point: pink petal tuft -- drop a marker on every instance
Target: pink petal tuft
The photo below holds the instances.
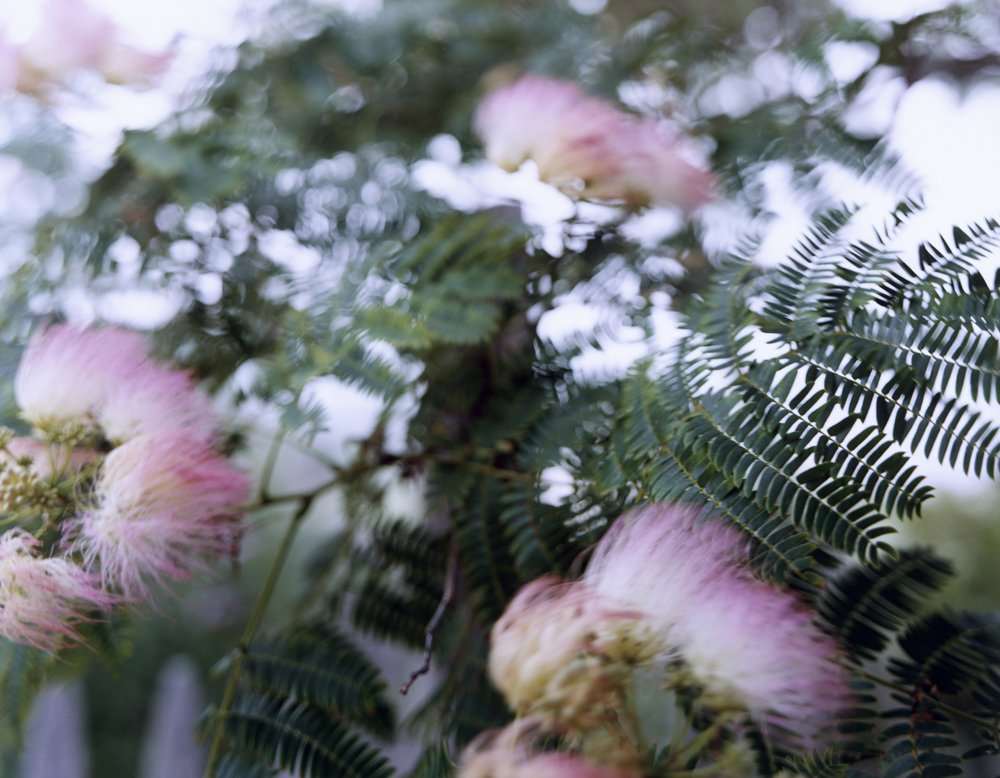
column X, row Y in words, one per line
column 748, row 643
column 587, row 147
column 67, row 372
column 43, row 600
column 165, row 502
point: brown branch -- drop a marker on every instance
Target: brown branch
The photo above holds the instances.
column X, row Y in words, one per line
column 450, row 583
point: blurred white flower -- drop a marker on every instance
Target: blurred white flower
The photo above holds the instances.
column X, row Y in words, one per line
column 68, row 372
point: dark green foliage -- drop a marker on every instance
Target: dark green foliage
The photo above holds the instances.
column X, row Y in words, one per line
column 232, row 766
column 22, row 674
column 402, row 582
column 809, row 434
column 299, row 738
column 486, row 556
column 301, row 696
column 316, row 665
column 434, row 763
column 916, row 745
column 946, row 654
column 865, row 606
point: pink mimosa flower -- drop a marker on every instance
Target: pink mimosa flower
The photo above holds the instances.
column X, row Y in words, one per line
column 654, row 171
column 587, row 147
column 757, row 646
column 560, row 649
column 156, row 398
column 102, row 380
column 747, row 643
column 43, row 600
column 531, row 119
column 68, row 372
column 9, row 65
column 165, row 502
column 497, row 755
column 72, row 36
column 125, row 64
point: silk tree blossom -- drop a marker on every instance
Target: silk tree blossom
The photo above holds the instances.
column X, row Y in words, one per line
column 561, row 650
column 748, row 644
column 164, row 503
column 9, row 65
column 43, row 601
column 511, row 764
column 586, row 147
column 502, row 754
column 102, row 380
column 755, row 646
column 156, row 398
column 68, row 372
column 72, row 36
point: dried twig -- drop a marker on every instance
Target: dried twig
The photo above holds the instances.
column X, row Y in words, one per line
column 450, row 583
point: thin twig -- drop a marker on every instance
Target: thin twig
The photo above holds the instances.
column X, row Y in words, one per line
column 450, row 582
column 903, row 688
column 267, row 471
column 304, row 448
column 263, row 598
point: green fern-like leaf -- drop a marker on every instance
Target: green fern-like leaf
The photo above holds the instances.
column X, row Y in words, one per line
column 806, row 439
column 919, row 745
column 315, row 664
column 231, row 766
column 23, row 670
column 487, row 561
column 434, row 763
column 462, row 270
column 299, row 738
column 947, row 653
column 866, row 605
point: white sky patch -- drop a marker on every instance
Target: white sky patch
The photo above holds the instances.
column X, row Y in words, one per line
column 284, row 249
column 355, row 412
column 482, row 185
column 874, row 109
column 950, row 141
column 567, row 319
column 557, row 485
column 613, row 359
column 847, row 59
column 145, row 309
column 893, row 10
column 652, row 226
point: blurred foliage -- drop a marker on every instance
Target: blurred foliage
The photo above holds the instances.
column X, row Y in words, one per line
column 276, row 221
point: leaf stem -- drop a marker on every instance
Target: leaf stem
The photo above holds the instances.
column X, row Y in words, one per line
column 904, row 689
column 263, row 598
column 450, row 582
